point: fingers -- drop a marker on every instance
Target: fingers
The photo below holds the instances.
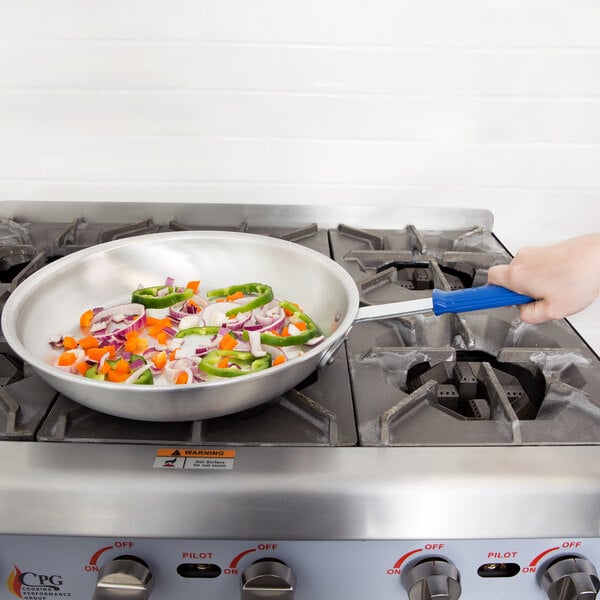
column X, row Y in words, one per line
column 505, row 275
column 499, row 275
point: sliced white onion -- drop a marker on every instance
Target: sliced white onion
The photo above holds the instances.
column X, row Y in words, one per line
column 255, row 346
column 293, row 330
column 214, row 314
column 189, row 321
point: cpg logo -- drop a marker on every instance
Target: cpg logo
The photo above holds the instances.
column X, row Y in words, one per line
column 29, row 585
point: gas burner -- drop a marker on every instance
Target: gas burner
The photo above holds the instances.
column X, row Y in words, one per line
column 421, row 275
column 468, row 387
column 442, row 393
column 395, row 265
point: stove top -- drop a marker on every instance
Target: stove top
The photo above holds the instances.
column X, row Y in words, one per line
column 480, row 378
column 466, row 446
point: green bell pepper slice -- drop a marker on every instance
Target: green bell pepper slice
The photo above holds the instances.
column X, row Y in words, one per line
column 208, row 330
column 264, row 295
column 246, row 363
column 92, row 373
column 150, row 299
column 291, row 340
column 146, row 378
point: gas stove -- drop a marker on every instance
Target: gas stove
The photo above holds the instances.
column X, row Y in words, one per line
column 435, row 457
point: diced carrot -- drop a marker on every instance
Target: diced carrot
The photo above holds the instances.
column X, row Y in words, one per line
column 182, row 377
column 159, row 326
column 234, row 296
column 288, row 312
column 131, row 345
column 132, row 334
column 89, row 342
column 162, row 337
column 105, row 368
column 223, row 363
column 136, row 345
column 96, row 354
column 116, row 376
column 122, row 366
column 285, row 332
column 193, row 285
column 279, row 360
column 274, row 332
column 151, row 320
column 160, row 359
column 70, row 343
column 82, row 367
column 228, row 342
column 173, row 354
column 67, row 358
column 85, row 320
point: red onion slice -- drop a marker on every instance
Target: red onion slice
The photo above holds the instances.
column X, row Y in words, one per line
column 135, row 318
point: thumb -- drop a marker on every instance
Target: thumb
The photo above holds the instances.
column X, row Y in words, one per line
column 534, row 312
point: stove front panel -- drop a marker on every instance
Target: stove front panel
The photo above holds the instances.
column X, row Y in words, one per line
column 43, row 568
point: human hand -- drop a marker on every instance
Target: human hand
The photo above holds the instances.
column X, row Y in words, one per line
column 564, row 278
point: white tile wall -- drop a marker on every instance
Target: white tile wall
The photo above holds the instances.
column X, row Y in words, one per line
column 480, row 103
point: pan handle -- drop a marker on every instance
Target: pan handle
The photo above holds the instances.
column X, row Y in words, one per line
column 441, row 302
column 455, row 301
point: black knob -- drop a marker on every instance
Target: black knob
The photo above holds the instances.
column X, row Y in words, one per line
column 571, row 578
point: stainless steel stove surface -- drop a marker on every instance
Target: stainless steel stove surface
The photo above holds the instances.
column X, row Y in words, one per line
column 435, row 457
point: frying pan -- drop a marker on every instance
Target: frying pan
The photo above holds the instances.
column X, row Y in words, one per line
column 50, row 301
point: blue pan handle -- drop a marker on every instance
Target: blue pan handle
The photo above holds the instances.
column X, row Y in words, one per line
column 486, row 296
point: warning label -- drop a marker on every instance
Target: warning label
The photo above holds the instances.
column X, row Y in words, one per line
column 194, row 458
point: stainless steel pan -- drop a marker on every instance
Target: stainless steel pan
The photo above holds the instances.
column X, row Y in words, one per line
column 50, row 301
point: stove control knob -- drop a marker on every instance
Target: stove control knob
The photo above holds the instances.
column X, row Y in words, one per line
column 434, row 579
column 268, row 578
column 126, row 577
column 571, row 578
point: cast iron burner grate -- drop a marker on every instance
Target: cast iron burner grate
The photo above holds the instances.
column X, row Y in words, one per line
column 423, row 380
column 317, row 412
column 475, row 379
column 26, row 247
